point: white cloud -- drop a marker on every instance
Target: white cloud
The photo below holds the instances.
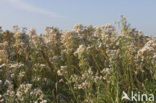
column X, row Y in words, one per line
column 20, row 4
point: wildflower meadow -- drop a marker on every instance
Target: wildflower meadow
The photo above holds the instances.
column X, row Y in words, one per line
column 87, row 64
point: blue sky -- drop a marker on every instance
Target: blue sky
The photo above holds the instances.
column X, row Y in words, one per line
column 66, row 13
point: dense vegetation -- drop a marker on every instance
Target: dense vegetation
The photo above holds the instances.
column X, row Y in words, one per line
column 85, row 65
